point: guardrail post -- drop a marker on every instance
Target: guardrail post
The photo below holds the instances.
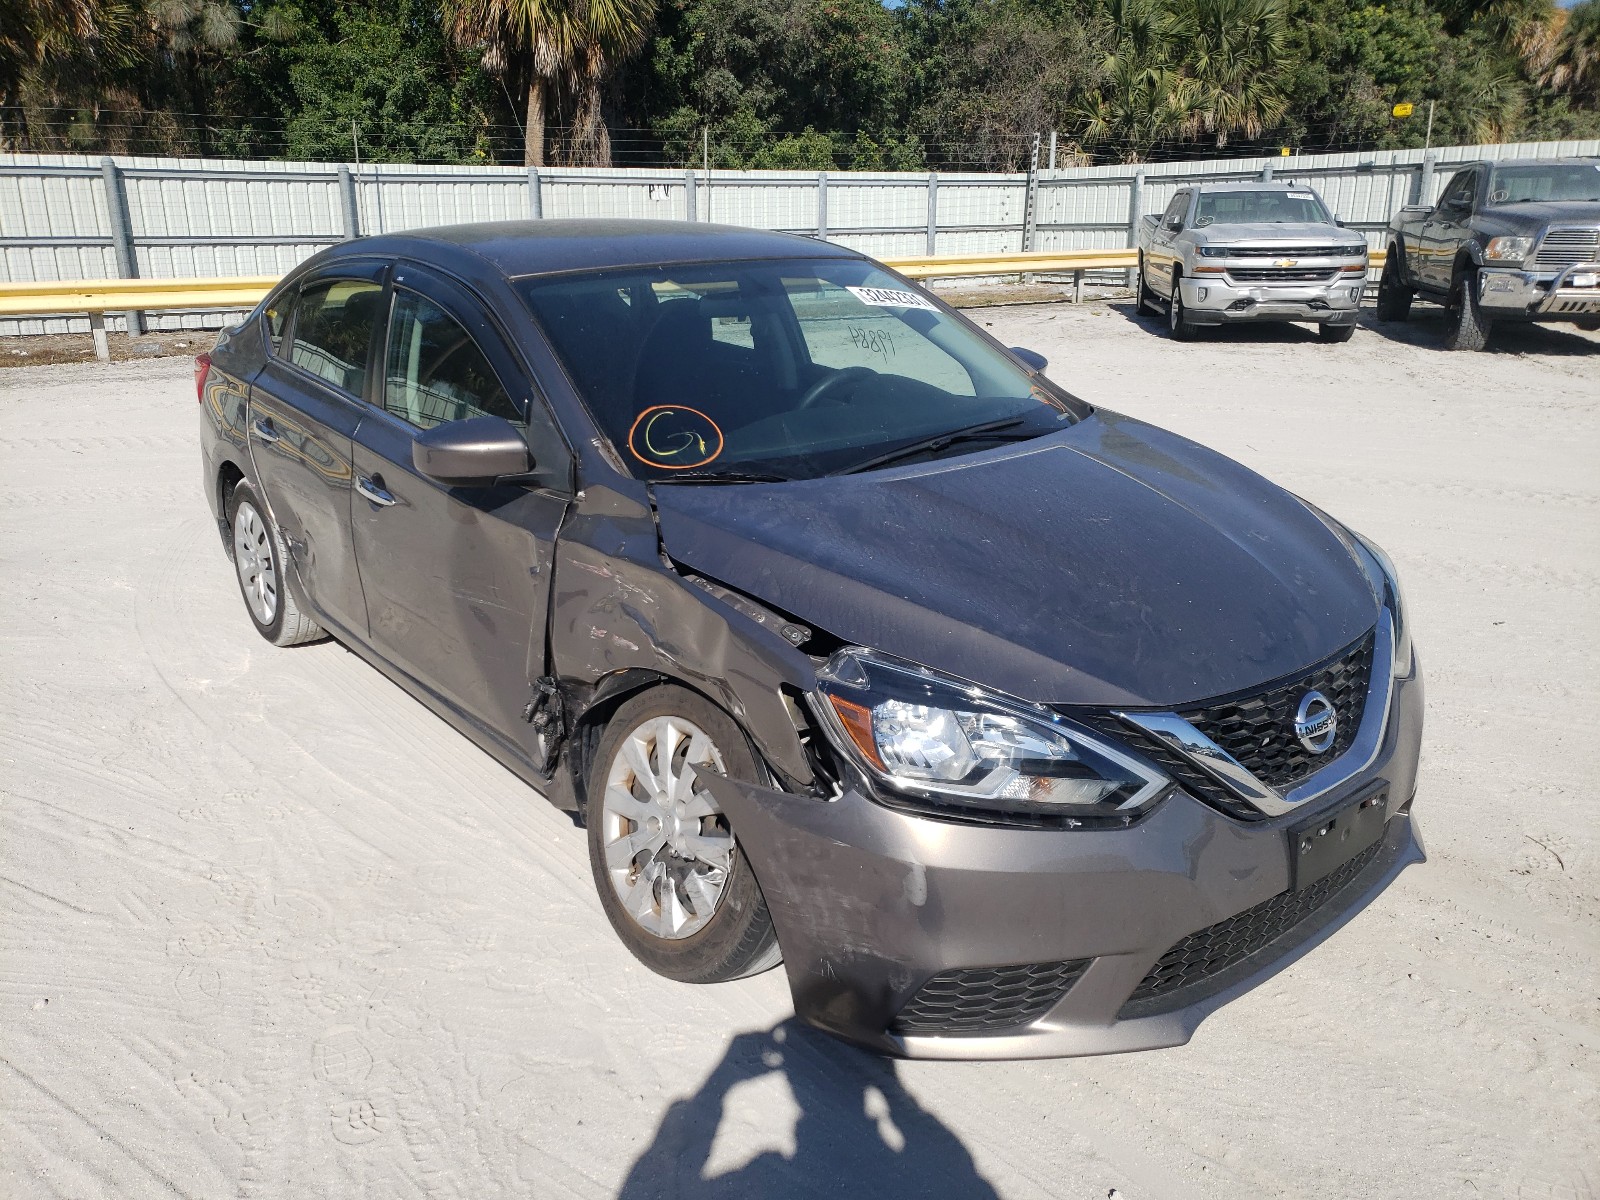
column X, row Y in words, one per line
column 1077, row 287
column 933, row 212
column 1135, row 213
column 688, row 194
column 822, row 206
column 127, row 264
column 347, row 193
column 1425, row 179
column 1266, row 173
column 535, row 194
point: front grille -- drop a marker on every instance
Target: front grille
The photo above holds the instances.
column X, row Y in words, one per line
column 1209, row 952
column 1282, row 275
column 1193, row 780
column 1567, row 247
column 1258, row 730
column 1285, row 252
column 987, row 998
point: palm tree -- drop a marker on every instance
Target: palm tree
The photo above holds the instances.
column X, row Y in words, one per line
column 1572, row 63
column 1231, row 51
column 556, row 44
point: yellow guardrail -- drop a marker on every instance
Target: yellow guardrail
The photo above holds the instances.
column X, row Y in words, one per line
column 96, row 297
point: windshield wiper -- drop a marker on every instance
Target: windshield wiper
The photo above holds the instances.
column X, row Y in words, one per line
column 975, row 433
column 728, row 476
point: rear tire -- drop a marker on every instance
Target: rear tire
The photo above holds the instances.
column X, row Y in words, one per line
column 1467, row 327
column 1394, row 297
column 260, row 561
column 1178, row 323
column 1147, row 296
column 1336, row 333
column 658, row 841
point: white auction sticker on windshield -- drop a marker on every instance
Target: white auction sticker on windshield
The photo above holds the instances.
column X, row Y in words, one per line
column 891, row 298
column 1299, row 195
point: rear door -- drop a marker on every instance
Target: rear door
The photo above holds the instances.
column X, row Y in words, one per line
column 457, row 580
column 304, row 406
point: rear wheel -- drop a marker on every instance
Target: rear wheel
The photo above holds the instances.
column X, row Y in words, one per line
column 1336, row 333
column 1466, row 328
column 260, row 559
column 671, row 876
column 1178, row 323
column 1147, row 295
column 1394, row 297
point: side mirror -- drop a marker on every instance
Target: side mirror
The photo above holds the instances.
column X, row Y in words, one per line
column 471, row 453
column 1339, row 221
column 1175, row 224
column 1032, row 359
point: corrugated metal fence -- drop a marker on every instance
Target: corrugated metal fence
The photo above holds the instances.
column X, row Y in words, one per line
column 77, row 217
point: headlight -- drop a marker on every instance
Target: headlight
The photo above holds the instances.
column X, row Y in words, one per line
column 1508, row 249
column 1213, row 252
column 1357, row 251
column 1395, row 599
column 946, row 745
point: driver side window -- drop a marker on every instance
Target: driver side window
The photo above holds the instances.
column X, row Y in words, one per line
column 435, row 372
column 1178, row 209
column 1459, row 193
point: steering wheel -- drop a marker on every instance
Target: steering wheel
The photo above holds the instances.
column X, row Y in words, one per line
column 827, row 383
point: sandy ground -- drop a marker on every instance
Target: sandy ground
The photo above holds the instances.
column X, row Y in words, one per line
column 268, row 928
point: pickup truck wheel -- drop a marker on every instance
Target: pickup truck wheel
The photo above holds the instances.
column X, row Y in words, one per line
column 1147, row 295
column 1178, row 324
column 672, row 879
column 1467, row 328
column 1336, row 333
column 1394, row 297
column 259, row 560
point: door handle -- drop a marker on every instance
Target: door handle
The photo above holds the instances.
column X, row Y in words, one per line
column 374, row 491
column 262, row 428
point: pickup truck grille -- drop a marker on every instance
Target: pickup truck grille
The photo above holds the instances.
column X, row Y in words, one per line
column 1564, row 247
column 1285, row 252
column 1282, row 274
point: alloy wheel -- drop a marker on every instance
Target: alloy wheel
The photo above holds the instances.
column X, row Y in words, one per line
column 668, row 847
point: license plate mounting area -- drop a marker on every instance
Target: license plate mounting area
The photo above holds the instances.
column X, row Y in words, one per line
column 1319, row 846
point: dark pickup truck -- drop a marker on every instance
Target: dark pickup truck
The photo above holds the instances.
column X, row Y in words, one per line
column 1511, row 241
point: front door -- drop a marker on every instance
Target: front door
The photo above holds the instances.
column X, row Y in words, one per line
column 1446, row 228
column 304, row 406
column 457, row 580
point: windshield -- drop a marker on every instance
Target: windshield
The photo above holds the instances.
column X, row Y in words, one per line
column 788, row 369
column 1547, row 181
column 1272, row 207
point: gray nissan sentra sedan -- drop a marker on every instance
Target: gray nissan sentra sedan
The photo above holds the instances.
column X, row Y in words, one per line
column 1013, row 726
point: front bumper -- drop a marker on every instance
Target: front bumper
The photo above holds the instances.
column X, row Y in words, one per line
column 1220, row 300
column 871, row 903
column 1505, row 293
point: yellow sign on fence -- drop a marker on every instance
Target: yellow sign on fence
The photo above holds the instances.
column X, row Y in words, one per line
column 1404, row 110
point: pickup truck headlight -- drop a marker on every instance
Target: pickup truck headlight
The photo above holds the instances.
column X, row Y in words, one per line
column 944, row 745
column 1213, row 251
column 1359, row 250
column 1508, row 249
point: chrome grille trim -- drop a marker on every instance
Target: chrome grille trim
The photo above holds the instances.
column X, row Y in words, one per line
column 1565, row 246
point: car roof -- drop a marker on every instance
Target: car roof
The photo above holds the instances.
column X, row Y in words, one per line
column 1249, row 185
column 548, row 246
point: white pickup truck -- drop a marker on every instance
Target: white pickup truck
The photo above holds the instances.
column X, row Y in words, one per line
column 1226, row 252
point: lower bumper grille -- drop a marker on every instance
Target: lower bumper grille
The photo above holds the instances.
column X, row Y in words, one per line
column 987, row 999
column 1282, row 275
column 1209, row 952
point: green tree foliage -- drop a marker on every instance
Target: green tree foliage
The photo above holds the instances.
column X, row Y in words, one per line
column 802, row 84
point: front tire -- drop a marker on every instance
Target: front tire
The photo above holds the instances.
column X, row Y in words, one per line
column 1467, row 328
column 1394, row 297
column 260, row 559
column 1178, row 323
column 673, row 881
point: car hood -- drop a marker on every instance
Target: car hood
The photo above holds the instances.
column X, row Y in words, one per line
column 1532, row 217
column 1268, row 233
column 1111, row 563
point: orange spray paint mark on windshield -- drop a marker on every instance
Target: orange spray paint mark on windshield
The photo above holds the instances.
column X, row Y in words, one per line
column 674, row 438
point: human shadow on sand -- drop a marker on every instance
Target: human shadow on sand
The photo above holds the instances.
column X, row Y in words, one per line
column 859, row 1132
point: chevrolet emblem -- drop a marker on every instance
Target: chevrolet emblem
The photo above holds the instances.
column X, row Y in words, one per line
column 1286, row 262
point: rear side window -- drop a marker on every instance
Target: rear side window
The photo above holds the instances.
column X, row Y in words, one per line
column 333, row 326
column 436, row 372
